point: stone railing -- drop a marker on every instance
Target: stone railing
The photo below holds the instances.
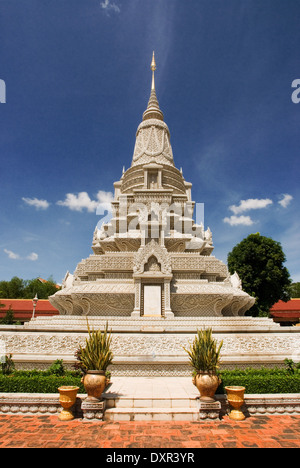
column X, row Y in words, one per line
column 48, row 404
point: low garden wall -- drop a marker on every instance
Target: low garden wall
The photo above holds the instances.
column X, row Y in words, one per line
column 48, row 404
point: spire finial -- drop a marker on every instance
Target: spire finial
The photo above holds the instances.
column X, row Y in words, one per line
column 153, row 64
column 153, row 111
column 153, row 68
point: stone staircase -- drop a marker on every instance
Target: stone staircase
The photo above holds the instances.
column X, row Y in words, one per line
column 146, row 399
column 154, row 409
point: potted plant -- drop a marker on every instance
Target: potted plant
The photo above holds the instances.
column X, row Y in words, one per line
column 204, row 355
column 93, row 360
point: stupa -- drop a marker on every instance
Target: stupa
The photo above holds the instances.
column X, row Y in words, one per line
column 152, row 258
column 153, row 279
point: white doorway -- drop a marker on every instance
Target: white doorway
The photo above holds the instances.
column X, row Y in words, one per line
column 152, row 299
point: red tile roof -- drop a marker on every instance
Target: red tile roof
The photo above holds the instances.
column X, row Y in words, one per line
column 290, row 306
column 286, row 312
column 23, row 308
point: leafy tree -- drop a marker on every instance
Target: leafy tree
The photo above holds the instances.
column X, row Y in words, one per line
column 43, row 290
column 12, row 289
column 295, row 290
column 18, row 288
column 3, row 290
column 259, row 260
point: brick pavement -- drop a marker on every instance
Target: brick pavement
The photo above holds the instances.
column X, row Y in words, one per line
column 48, row 432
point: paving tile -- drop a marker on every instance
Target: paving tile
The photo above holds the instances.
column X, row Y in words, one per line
column 48, row 432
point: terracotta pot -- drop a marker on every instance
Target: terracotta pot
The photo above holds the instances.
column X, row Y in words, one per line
column 235, row 397
column 207, row 384
column 67, row 399
column 94, row 383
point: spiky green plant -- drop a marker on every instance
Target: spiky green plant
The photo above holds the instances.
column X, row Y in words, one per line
column 97, row 354
column 204, row 352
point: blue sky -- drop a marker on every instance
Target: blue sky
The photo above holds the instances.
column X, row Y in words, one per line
column 77, row 76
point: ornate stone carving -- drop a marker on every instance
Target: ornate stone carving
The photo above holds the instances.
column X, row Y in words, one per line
column 149, row 250
column 93, row 409
column 236, row 281
column 152, row 141
column 141, row 346
column 45, row 404
column 145, row 343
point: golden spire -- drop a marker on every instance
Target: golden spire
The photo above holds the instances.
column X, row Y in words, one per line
column 153, row 111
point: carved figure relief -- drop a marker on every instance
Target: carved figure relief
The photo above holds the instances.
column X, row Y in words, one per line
column 152, row 249
column 152, row 264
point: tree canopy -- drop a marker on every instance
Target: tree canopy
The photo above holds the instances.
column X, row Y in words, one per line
column 295, row 290
column 18, row 288
column 259, row 262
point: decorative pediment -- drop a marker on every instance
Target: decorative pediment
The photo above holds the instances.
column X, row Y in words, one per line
column 152, row 249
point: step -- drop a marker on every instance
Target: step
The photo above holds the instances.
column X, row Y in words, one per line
column 151, row 409
column 151, row 414
column 150, row 402
column 151, row 399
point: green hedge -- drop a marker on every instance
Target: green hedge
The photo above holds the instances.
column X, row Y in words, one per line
column 38, row 383
column 255, row 381
column 261, row 382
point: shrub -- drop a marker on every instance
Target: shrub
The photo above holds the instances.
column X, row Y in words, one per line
column 38, row 383
column 7, row 366
column 57, row 368
column 9, row 317
column 261, row 380
column 255, row 380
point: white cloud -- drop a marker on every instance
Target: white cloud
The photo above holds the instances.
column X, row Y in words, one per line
column 82, row 201
column 108, row 6
column 14, row 256
column 38, row 204
column 250, row 204
column 104, row 197
column 78, row 202
column 11, row 254
column 239, row 220
column 286, row 200
column 33, row 256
